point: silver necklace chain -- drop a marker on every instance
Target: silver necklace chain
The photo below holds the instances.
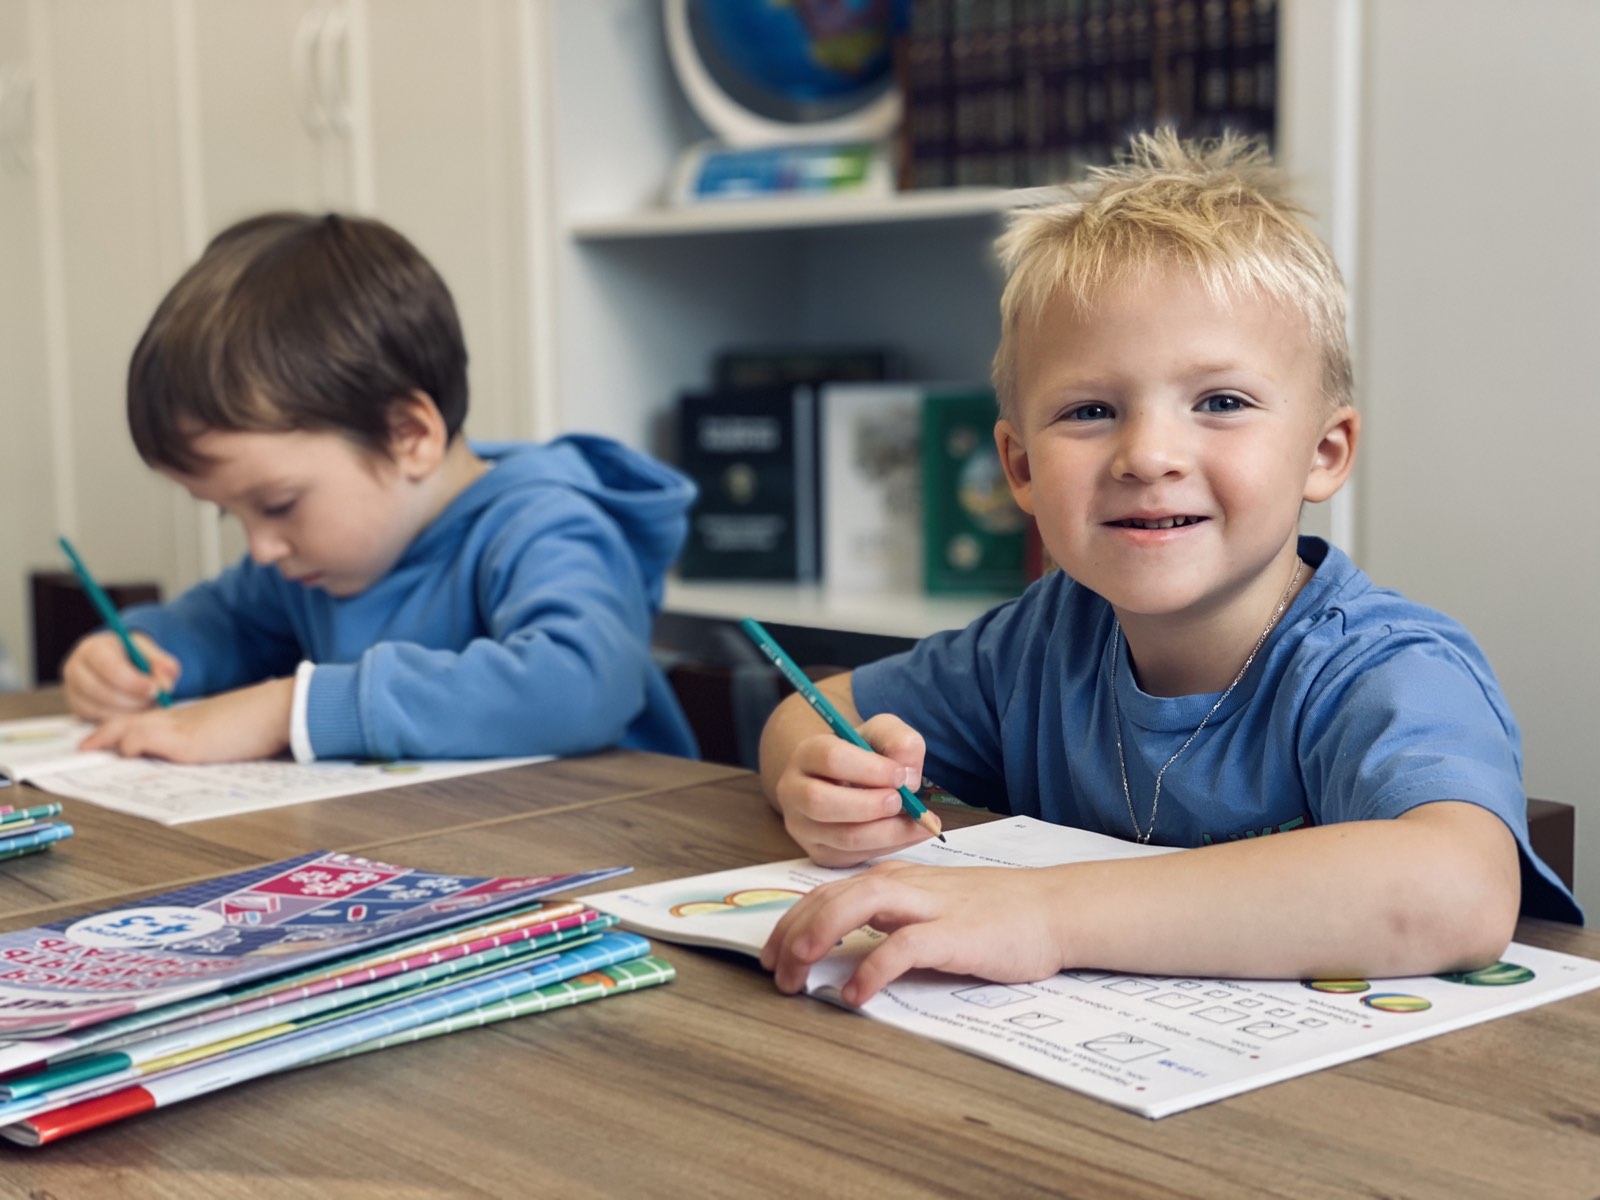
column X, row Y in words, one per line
column 1142, row 836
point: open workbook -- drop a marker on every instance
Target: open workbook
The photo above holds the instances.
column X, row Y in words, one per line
column 1152, row 1044
column 44, row 752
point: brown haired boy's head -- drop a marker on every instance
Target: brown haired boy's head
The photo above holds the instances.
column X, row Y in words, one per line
column 1216, row 212
column 295, row 322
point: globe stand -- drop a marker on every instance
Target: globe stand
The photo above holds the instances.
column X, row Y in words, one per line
column 783, row 148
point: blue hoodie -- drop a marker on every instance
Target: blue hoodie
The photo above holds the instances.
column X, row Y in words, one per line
column 518, row 622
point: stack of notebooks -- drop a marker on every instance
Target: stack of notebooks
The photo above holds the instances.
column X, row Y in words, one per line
column 29, row 830
column 315, row 958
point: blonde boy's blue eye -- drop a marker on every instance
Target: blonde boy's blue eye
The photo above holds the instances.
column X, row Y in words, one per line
column 1223, row 402
column 1089, row 412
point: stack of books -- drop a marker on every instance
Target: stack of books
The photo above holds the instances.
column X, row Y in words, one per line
column 315, row 958
column 819, row 467
column 29, row 830
column 1020, row 93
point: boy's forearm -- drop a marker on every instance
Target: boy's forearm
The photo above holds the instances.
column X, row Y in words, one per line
column 1434, row 890
column 792, row 722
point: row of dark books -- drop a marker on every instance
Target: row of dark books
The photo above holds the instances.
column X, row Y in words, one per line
column 864, row 484
column 1022, row 93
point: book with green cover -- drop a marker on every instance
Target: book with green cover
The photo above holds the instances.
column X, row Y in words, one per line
column 974, row 531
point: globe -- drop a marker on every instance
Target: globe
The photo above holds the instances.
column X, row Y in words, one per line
column 804, row 53
column 760, row 69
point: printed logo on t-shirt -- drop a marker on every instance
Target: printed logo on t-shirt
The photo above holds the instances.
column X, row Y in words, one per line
column 1207, row 839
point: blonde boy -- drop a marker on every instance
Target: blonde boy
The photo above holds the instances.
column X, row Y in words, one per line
column 1174, row 384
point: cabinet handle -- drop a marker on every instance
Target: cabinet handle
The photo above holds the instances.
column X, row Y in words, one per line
column 303, row 73
column 333, row 67
column 5, row 110
column 16, row 116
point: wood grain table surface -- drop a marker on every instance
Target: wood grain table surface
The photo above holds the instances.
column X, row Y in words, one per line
column 716, row 1085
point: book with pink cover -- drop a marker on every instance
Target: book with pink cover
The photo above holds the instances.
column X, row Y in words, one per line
column 196, row 940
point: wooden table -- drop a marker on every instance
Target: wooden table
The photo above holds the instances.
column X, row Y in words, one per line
column 718, row 1086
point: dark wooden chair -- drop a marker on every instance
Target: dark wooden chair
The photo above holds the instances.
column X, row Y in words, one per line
column 62, row 613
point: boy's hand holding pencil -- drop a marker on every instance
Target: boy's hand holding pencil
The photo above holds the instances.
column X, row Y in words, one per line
column 102, row 681
column 830, row 789
column 116, row 671
column 842, row 803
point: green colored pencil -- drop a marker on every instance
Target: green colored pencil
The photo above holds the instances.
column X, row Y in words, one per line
column 909, row 803
column 108, row 613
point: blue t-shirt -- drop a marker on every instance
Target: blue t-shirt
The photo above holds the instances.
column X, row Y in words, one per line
column 1360, row 706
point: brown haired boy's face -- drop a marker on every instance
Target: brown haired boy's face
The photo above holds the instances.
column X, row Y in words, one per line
column 1165, row 443
column 323, row 512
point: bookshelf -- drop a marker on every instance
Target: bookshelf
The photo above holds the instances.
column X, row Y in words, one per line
column 645, row 294
column 901, row 614
column 829, row 212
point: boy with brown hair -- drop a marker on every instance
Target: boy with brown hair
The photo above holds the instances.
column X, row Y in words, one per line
column 407, row 593
column 1175, row 384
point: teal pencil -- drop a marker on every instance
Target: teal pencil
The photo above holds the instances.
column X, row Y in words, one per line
column 909, row 803
column 108, row 614
column 40, row 812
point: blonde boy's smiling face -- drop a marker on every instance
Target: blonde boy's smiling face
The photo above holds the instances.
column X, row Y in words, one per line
column 1165, row 442
column 322, row 511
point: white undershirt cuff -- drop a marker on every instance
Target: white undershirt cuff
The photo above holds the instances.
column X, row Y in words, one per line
column 299, row 731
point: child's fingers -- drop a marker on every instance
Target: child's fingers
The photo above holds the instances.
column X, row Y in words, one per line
column 849, row 845
column 907, row 948
column 834, row 758
column 101, row 664
column 155, row 733
column 892, row 738
column 812, row 927
column 826, row 801
column 838, row 825
column 93, row 697
column 164, row 668
column 107, row 735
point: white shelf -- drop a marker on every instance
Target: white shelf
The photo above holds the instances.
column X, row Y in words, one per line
column 812, row 212
column 910, row 614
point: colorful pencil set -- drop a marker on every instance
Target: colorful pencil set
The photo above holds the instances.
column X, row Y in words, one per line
column 317, row 958
column 30, row 830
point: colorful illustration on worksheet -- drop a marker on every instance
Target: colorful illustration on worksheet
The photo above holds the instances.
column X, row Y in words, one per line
column 24, row 737
column 1397, row 1002
column 750, row 899
column 1340, row 987
column 1500, row 974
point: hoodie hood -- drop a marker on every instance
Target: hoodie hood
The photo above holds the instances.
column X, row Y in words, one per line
column 648, row 500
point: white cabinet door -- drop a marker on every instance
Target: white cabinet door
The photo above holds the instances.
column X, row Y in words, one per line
column 448, row 162
column 410, row 110
column 107, row 157
column 257, row 102
column 27, row 479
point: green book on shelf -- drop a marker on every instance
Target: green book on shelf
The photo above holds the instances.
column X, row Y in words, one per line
column 974, row 530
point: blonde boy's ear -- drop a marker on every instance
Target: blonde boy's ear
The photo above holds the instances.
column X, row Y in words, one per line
column 417, row 437
column 1335, row 454
column 1014, row 459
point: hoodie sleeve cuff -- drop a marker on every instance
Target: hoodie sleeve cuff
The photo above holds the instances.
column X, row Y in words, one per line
column 333, row 722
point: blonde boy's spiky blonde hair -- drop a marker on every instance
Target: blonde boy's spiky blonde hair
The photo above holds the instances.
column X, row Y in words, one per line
column 1219, row 210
